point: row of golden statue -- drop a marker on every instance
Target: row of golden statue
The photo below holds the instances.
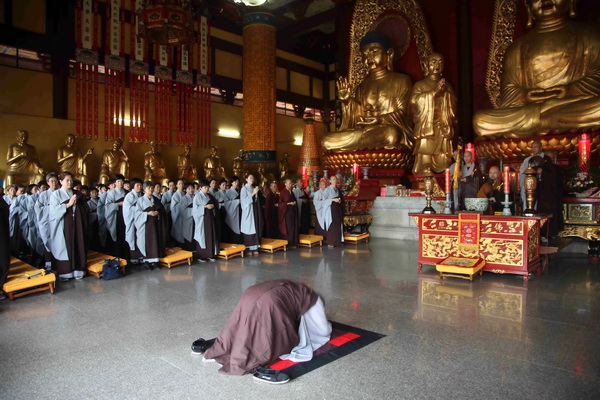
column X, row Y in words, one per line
column 550, row 83
column 24, row 166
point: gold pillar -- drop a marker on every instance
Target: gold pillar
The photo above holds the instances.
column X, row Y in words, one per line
column 259, row 88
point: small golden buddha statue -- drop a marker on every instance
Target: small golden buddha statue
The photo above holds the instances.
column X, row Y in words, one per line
column 376, row 115
column 434, row 112
column 550, row 78
column 238, row 165
column 154, row 166
column 186, row 168
column 114, row 161
column 70, row 159
column 213, row 168
column 284, row 166
column 23, row 165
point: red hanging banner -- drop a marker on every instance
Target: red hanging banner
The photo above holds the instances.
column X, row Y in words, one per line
column 139, row 105
column 163, row 96
column 203, row 106
column 114, row 61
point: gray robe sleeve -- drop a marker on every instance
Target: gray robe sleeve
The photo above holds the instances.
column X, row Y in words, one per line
column 129, row 207
column 176, row 211
column 56, row 214
column 200, row 200
column 140, row 217
column 232, row 210
column 247, row 226
column 111, row 208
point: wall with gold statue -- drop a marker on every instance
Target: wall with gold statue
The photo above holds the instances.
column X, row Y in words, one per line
column 27, row 104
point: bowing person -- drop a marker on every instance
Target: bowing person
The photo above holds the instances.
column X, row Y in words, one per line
column 205, row 233
column 113, row 213
column 129, row 210
column 184, row 229
column 288, row 214
column 334, row 209
column 303, row 207
column 68, row 222
column 271, row 213
column 150, row 226
column 319, row 201
column 232, row 233
column 252, row 217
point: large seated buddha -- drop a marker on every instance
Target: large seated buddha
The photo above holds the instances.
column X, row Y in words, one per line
column 375, row 116
column 550, row 79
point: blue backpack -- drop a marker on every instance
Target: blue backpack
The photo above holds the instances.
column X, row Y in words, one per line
column 110, row 269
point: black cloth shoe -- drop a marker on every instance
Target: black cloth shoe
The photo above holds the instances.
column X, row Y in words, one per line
column 201, row 345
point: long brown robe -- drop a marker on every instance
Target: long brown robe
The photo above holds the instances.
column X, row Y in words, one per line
column 156, row 231
column 4, row 242
column 262, row 327
column 304, row 219
column 288, row 217
column 271, row 216
column 334, row 233
column 549, row 197
column 75, row 228
column 254, row 239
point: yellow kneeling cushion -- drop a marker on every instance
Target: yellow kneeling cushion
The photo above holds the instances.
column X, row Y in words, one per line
column 272, row 245
column 460, row 265
column 310, row 240
column 356, row 237
column 229, row 250
column 176, row 256
column 23, row 276
column 95, row 261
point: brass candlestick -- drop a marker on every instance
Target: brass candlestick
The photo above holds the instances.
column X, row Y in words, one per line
column 429, row 183
column 530, row 184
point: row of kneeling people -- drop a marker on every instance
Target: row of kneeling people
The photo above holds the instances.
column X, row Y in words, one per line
column 55, row 222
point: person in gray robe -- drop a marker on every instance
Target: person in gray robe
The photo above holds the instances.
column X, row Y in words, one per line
column 37, row 246
column 101, row 212
column 93, row 235
column 205, row 233
column 321, row 206
column 221, row 196
column 335, row 208
column 252, row 222
column 303, row 207
column 175, row 208
column 41, row 213
column 149, row 226
column 166, row 202
column 17, row 239
column 129, row 209
column 113, row 214
column 231, row 229
column 185, row 218
column 68, row 221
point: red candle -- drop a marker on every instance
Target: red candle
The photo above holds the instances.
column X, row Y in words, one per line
column 447, row 180
column 305, row 176
column 355, row 170
column 471, row 149
column 506, row 179
column 584, row 148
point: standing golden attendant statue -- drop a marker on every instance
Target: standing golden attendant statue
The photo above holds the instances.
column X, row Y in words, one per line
column 434, row 112
column 284, row 166
column 70, row 159
column 114, row 161
column 23, row 165
column 376, row 115
column 550, row 78
column 154, row 166
column 186, row 168
column 238, row 165
column 213, row 169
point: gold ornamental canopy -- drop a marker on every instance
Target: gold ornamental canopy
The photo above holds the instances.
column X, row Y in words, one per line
column 166, row 22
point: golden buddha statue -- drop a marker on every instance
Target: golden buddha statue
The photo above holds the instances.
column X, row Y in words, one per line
column 238, row 165
column 114, row 161
column 23, row 165
column 284, row 166
column 213, row 168
column 434, row 112
column 185, row 165
column 550, row 78
column 154, row 166
column 376, row 115
column 70, row 159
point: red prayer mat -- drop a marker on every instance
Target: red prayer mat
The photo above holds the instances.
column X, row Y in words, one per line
column 345, row 339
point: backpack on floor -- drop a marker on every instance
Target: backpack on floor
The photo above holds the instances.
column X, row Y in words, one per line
column 110, row 269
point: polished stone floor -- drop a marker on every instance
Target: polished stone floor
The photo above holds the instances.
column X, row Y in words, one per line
column 495, row 338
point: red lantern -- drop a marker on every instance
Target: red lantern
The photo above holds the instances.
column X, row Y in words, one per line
column 471, row 149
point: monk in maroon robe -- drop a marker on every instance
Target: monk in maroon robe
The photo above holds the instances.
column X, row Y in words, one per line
column 271, row 214
column 262, row 327
column 288, row 215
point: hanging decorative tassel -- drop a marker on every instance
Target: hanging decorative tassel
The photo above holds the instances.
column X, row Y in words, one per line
column 163, row 97
column 203, row 105
column 185, row 80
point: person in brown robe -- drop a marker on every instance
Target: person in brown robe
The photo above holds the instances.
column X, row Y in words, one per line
column 271, row 214
column 303, row 207
column 262, row 327
column 288, row 215
column 549, row 195
column 335, row 233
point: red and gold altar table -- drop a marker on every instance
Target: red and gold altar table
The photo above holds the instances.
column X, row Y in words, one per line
column 508, row 244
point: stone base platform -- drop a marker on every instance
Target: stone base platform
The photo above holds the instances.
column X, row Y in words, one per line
column 391, row 220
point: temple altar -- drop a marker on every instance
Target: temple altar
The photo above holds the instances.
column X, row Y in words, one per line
column 507, row 244
column 391, row 217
